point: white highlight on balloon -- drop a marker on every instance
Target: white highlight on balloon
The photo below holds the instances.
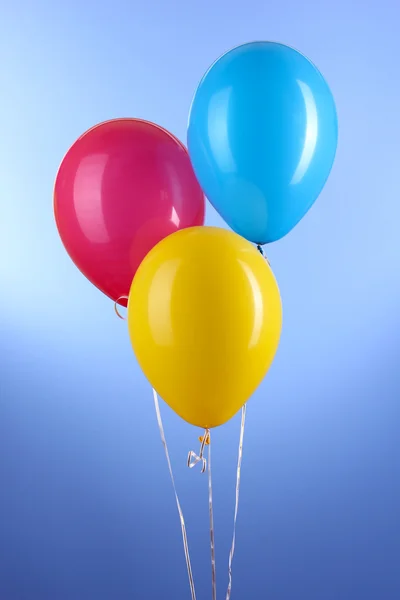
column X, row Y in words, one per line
column 218, row 130
column 87, row 190
column 310, row 141
column 258, row 305
column 160, row 318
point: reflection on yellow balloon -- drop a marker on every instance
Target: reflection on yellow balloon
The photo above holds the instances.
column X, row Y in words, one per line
column 204, row 318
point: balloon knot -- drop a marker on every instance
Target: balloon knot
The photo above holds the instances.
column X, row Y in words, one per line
column 207, row 442
column 261, row 251
column 194, row 458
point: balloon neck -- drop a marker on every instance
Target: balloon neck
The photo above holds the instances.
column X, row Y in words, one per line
column 261, row 251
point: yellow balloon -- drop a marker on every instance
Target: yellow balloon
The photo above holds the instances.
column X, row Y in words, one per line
column 204, row 318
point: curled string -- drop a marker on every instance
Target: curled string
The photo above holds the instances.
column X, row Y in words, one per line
column 116, row 309
column 239, row 465
column 193, row 459
column 182, row 520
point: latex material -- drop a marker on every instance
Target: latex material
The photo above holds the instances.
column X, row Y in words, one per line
column 204, row 318
column 262, row 138
column 122, row 187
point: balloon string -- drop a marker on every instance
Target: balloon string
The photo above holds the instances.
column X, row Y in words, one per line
column 182, row 520
column 239, row 465
column 192, row 460
column 211, row 513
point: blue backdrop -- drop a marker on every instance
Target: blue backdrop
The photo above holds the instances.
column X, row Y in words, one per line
column 86, row 507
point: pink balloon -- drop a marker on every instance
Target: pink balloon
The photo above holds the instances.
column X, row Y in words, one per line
column 122, row 187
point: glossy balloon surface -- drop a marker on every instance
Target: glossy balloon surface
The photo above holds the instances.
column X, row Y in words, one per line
column 204, row 317
column 262, row 138
column 122, row 187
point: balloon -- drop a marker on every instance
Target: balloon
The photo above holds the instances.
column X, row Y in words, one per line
column 262, row 138
column 204, row 318
column 122, row 187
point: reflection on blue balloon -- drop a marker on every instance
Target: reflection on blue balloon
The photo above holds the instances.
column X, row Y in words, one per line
column 262, row 138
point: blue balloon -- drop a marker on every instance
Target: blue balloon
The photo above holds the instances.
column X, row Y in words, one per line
column 262, row 138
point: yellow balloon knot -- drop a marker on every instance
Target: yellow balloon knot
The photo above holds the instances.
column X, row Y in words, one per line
column 207, row 442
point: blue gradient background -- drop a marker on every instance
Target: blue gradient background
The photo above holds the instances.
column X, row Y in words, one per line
column 86, row 506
